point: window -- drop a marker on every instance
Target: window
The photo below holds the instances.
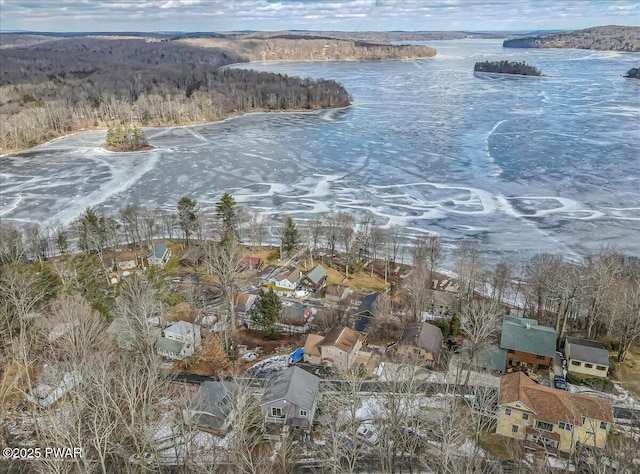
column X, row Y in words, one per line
column 601, row 367
column 525, row 416
column 589, row 366
column 583, row 420
column 576, row 363
column 340, row 353
column 514, row 428
column 603, row 425
column 541, row 425
column 304, row 413
column 565, row 426
column 507, row 411
column 329, row 350
column 540, row 357
column 276, row 411
column 511, row 351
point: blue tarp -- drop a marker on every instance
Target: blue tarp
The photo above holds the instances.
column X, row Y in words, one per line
column 297, row 355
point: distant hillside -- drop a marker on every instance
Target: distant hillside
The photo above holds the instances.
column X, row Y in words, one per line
column 310, row 47
column 601, row 38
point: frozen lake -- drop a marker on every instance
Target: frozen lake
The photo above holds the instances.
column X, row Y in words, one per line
column 525, row 165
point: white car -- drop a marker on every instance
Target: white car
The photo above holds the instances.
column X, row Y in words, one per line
column 368, row 433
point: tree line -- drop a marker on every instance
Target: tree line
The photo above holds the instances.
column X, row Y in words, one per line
column 79, row 83
column 506, row 67
column 598, row 295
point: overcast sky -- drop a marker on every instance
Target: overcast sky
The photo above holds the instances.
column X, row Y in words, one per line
column 347, row 15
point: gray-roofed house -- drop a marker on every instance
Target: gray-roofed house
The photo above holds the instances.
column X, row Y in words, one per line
column 315, row 279
column 586, row 357
column 289, row 402
column 528, row 345
column 421, row 342
column 210, row 408
column 491, row 357
column 366, row 311
column 179, row 340
column 158, row 255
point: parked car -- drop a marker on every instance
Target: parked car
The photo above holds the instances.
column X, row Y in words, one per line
column 368, row 433
column 559, row 382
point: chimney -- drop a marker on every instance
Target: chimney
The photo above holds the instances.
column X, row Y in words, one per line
column 528, row 326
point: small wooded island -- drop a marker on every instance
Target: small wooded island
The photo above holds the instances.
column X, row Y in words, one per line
column 633, row 73
column 126, row 137
column 507, row 67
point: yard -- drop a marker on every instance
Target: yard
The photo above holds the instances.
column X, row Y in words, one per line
column 628, row 372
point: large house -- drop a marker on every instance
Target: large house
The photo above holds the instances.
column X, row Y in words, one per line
column 551, row 417
column 528, row 345
column 210, row 407
column 288, row 281
column 339, row 348
column 586, row 357
column 179, row 340
column 315, row 278
column 421, row 342
column 289, row 402
column 158, row 255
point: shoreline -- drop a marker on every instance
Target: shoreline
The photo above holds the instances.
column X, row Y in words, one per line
column 146, row 127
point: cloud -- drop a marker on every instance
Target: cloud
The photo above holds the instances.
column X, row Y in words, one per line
column 226, row 15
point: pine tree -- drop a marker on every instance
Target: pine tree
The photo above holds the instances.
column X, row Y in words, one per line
column 290, row 237
column 267, row 312
column 187, row 215
column 226, row 212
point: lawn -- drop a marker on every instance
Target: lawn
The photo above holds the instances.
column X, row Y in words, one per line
column 628, row 373
column 362, row 280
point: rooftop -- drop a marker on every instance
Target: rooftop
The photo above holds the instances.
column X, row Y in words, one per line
column 423, row 335
column 525, row 335
column 294, row 385
column 587, row 350
column 549, row 404
column 342, row 338
column 316, row 274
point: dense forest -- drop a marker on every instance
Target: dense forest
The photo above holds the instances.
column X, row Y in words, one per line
column 603, row 38
column 506, row 67
column 68, row 84
column 633, row 73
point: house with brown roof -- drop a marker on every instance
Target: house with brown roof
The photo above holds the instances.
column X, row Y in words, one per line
column 421, row 342
column 339, row 348
column 336, row 293
column 288, row 281
column 550, row 417
column 126, row 261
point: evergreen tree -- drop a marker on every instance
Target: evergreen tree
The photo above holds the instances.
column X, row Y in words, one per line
column 454, row 326
column 290, row 238
column 187, row 215
column 226, row 212
column 267, row 312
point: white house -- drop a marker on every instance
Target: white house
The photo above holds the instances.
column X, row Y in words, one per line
column 159, row 255
column 179, row 340
column 289, row 281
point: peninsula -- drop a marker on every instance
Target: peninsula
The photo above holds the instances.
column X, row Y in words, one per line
column 601, row 38
column 53, row 83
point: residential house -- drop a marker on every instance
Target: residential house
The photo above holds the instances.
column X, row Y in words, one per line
column 367, row 311
column 314, row 279
column 288, row 281
column 550, row 417
column 440, row 303
column 337, row 293
column 244, row 302
column 179, row 340
column 210, row 407
column 250, row 263
column 192, row 257
column 159, row 255
column 421, row 342
column 108, row 263
column 52, row 385
column 528, row 345
column 296, row 314
column 357, row 296
column 586, row 357
column 339, row 348
column 289, row 402
column 126, row 261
